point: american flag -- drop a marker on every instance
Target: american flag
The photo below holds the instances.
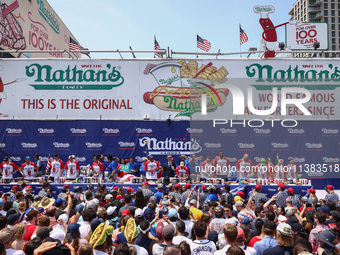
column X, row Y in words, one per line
column 243, row 36
column 203, row 44
column 74, row 45
column 156, row 47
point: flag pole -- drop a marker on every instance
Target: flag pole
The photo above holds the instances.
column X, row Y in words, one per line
column 240, row 40
column 196, row 45
column 154, row 39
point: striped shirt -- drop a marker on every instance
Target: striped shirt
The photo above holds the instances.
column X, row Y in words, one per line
column 177, row 196
column 203, row 197
column 332, row 197
column 281, row 198
column 257, row 198
column 185, row 195
column 147, row 193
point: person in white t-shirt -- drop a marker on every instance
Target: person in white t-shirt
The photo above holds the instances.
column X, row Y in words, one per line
column 29, row 169
column 184, row 214
column 72, row 168
column 218, row 222
column 244, row 168
column 7, row 237
column 201, row 246
column 180, row 236
column 151, row 167
column 55, row 166
column 8, row 169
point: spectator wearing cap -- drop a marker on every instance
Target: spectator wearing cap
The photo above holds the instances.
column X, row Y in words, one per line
column 169, row 168
column 7, row 238
column 168, row 233
column 186, row 193
column 259, row 195
column 282, row 195
column 147, row 193
column 144, row 239
column 11, row 194
column 218, row 222
column 31, row 219
column 139, row 216
column 13, row 219
column 203, row 195
column 326, row 239
column 180, row 233
column 212, row 193
column 331, row 196
column 176, row 193
column 128, row 205
column 268, row 240
column 295, row 198
column 284, row 241
column 73, row 236
column 300, row 236
column 159, row 193
column 320, row 219
column 197, row 214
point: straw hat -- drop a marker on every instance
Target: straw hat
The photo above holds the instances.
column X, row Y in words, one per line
column 46, row 202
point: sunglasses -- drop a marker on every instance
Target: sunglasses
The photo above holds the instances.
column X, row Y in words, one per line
column 226, row 210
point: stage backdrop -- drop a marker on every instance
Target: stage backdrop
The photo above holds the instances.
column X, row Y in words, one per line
column 310, row 142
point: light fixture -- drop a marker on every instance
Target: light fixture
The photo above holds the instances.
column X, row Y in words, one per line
column 146, row 117
column 281, row 45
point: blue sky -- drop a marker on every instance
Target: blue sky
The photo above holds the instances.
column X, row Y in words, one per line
column 111, row 24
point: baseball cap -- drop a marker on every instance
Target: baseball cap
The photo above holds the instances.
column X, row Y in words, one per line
column 95, row 223
column 11, row 219
column 29, row 187
column 284, row 229
column 282, row 186
column 139, row 212
column 111, row 210
column 193, row 201
column 91, row 204
column 181, row 164
column 153, row 199
column 270, row 225
column 188, row 185
column 2, row 202
column 108, row 197
column 232, row 221
column 257, row 187
column 126, row 212
column 119, row 197
column 173, row 213
column 115, row 188
column 297, row 227
column 79, row 208
column 73, row 227
column 59, row 201
column 15, row 187
column 237, row 198
column 130, row 190
column 148, row 214
column 66, row 186
column 204, row 187
column 239, row 203
column 159, row 230
column 58, row 214
column 329, row 187
column 290, row 190
column 7, row 234
column 160, row 186
column 324, row 209
column 96, row 201
column 145, row 183
column 240, row 235
column 27, row 157
column 312, row 191
column 177, row 186
column 168, row 230
column 240, row 193
column 246, row 220
column 213, row 236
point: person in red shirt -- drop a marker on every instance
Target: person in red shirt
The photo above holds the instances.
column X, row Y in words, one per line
column 72, row 168
column 182, row 171
column 244, row 167
column 122, row 168
column 151, row 167
column 32, row 219
column 97, row 168
column 29, row 169
column 6, row 168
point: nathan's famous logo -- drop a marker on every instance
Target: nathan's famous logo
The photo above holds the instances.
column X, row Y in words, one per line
column 266, row 73
column 182, row 84
column 47, row 14
column 74, row 78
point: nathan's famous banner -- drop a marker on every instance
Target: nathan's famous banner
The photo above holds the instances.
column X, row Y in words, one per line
column 314, row 145
column 33, row 25
column 156, row 89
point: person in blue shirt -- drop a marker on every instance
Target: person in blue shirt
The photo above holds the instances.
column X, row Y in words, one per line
column 112, row 168
column 268, row 241
column 159, row 193
column 142, row 171
column 132, row 166
column 212, row 193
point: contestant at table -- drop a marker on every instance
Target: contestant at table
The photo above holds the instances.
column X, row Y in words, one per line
column 292, row 171
column 151, row 167
column 8, row 169
column 122, row 168
column 55, row 167
column 97, row 168
column 244, row 168
column 72, row 168
column 132, row 166
column 222, row 165
column 279, row 170
column 29, row 169
column 182, row 171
